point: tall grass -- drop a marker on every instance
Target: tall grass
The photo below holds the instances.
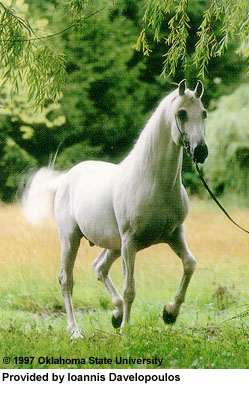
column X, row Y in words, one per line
column 211, row 323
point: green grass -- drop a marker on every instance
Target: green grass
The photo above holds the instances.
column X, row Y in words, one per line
column 212, row 328
column 181, row 346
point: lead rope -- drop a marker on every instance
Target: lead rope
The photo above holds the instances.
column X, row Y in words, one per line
column 216, row 200
column 205, row 183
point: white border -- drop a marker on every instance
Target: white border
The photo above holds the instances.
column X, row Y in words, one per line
column 195, row 381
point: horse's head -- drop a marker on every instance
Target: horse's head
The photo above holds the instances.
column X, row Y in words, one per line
column 188, row 124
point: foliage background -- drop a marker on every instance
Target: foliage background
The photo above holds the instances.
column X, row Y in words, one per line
column 111, row 89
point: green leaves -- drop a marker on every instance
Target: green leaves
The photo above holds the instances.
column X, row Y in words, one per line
column 45, row 75
column 223, row 21
column 142, row 43
column 177, row 39
column 77, row 7
column 228, row 140
column 27, row 61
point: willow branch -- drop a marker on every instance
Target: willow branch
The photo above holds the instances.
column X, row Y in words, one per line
column 54, row 34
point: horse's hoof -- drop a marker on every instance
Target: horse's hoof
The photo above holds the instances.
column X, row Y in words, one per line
column 168, row 317
column 116, row 321
column 76, row 335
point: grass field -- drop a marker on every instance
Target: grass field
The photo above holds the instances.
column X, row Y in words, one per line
column 211, row 331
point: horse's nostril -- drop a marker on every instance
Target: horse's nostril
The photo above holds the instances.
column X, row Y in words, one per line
column 200, row 153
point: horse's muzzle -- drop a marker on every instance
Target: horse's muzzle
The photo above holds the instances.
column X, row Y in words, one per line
column 200, row 153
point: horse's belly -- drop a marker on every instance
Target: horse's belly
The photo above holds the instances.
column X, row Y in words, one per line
column 93, row 210
column 99, row 226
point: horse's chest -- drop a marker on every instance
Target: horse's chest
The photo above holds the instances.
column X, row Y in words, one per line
column 156, row 222
column 149, row 213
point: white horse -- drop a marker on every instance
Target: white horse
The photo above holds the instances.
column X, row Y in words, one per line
column 126, row 207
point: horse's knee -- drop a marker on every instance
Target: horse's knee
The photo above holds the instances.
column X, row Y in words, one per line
column 189, row 263
column 101, row 272
column 129, row 295
column 100, row 266
column 66, row 282
column 62, row 277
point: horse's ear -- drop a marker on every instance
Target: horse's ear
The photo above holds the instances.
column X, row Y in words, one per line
column 199, row 89
column 182, row 87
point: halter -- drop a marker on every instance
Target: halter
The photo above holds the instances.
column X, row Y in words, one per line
column 186, row 146
column 185, row 143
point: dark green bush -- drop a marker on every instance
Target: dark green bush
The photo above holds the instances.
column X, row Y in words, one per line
column 13, row 165
column 227, row 167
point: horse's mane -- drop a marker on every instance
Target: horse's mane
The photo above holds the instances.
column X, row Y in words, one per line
column 146, row 145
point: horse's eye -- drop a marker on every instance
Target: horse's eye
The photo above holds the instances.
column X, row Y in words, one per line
column 204, row 114
column 182, row 114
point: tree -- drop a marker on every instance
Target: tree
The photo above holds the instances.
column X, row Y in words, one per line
column 27, row 56
column 231, row 17
column 27, row 61
column 104, row 97
column 109, row 89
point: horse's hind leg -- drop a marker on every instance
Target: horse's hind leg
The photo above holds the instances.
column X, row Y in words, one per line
column 69, row 247
column 128, row 253
column 102, row 265
column 179, row 245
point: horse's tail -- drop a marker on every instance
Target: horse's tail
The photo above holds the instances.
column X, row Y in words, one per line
column 38, row 195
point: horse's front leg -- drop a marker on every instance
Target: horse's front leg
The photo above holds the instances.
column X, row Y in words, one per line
column 179, row 246
column 128, row 253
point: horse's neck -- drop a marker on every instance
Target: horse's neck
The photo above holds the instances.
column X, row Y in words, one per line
column 155, row 158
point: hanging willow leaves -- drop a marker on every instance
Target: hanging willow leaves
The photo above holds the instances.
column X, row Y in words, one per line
column 27, row 59
column 232, row 18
